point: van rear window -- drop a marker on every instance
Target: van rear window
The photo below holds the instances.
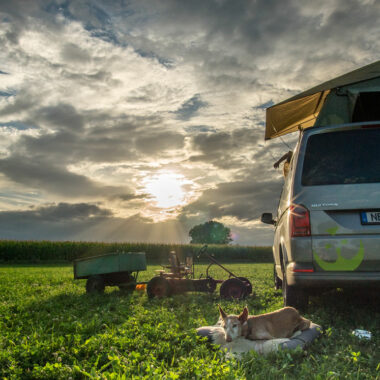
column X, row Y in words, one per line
column 342, row 157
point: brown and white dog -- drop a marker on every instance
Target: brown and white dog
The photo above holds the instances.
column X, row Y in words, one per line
column 282, row 323
column 234, row 325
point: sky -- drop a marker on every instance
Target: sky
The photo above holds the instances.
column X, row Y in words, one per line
column 136, row 120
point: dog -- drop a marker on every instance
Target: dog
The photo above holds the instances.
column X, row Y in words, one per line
column 282, row 323
column 234, row 325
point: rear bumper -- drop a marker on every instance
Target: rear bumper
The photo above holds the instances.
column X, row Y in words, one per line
column 334, row 279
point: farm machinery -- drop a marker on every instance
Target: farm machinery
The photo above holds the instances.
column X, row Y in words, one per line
column 181, row 279
column 121, row 269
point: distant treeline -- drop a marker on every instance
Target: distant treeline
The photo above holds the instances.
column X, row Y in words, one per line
column 42, row 251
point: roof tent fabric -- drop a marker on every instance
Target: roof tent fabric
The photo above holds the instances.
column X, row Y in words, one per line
column 302, row 110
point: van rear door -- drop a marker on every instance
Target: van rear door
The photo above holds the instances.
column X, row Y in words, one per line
column 340, row 185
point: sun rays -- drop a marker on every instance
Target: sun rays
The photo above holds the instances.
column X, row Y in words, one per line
column 168, row 191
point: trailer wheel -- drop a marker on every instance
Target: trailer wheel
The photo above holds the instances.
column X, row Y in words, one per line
column 233, row 288
column 95, row 284
column 158, row 287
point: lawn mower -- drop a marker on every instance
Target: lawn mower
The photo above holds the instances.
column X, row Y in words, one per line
column 180, row 279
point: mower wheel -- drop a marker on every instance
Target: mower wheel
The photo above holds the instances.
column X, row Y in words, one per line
column 248, row 284
column 233, row 288
column 158, row 287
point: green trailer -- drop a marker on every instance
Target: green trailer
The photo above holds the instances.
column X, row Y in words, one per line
column 112, row 269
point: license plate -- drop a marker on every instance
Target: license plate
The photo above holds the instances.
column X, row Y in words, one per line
column 370, row 217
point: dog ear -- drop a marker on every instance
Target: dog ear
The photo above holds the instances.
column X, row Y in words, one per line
column 222, row 313
column 243, row 315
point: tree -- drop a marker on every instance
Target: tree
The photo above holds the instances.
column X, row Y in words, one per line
column 210, row 233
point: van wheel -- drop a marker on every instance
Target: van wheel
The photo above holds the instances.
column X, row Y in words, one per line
column 294, row 296
column 277, row 280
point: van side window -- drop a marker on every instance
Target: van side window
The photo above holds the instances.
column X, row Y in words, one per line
column 367, row 107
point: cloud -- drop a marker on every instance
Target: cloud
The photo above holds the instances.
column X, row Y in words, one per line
column 66, row 211
column 158, row 141
column 63, row 116
column 226, row 149
column 199, row 129
column 96, row 96
column 17, row 125
column 236, row 199
column 46, row 177
column 18, row 104
column 190, row 108
column 85, row 222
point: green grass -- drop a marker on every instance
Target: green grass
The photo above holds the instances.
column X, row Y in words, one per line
column 51, row 329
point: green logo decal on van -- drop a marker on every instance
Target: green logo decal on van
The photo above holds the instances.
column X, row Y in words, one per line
column 341, row 264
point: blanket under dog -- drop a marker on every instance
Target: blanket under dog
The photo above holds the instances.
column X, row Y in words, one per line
column 216, row 335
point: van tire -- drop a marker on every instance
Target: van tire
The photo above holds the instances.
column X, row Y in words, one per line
column 277, row 280
column 294, row 296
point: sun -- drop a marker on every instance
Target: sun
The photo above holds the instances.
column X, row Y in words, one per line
column 167, row 190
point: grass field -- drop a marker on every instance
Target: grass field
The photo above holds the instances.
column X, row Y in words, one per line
column 49, row 328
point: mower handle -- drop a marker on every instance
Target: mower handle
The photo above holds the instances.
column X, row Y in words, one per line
column 203, row 249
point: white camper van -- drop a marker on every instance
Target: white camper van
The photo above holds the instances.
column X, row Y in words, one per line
column 327, row 228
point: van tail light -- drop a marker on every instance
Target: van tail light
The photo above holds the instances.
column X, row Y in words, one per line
column 310, row 270
column 299, row 221
column 300, row 267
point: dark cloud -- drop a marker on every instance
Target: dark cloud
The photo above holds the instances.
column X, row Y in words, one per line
column 168, row 63
column 159, row 141
column 62, row 116
column 265, row 105
column 66, row 211
column 18, row 125
column 72, row 52
column 190, row 108
column 131, row 197
column 200, row 129
column 47, row 177
column 244, row 200
column 18, row 104
column 224, row 149
column 123, row 139
column 63, row 221
column 246, row 44
column 85, row 222
column 89, row 222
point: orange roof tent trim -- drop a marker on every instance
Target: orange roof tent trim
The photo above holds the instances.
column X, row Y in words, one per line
column 301, row 111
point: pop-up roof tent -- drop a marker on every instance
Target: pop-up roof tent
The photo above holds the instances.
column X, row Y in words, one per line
column 332, row 102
